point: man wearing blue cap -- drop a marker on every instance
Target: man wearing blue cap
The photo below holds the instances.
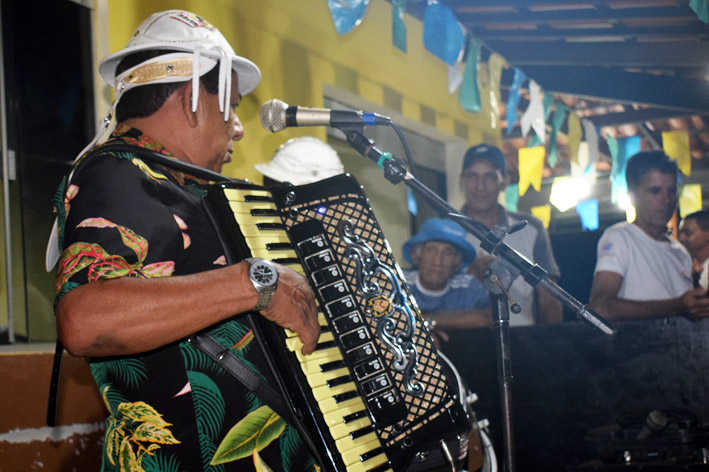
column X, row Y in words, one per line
column 448, row 297
column 482, row 179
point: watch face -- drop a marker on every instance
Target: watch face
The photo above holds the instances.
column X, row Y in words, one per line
column 263, row 273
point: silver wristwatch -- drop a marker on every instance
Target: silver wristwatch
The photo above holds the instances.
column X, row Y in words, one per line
column 264, row 277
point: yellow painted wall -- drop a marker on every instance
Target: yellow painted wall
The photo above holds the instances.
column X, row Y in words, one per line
column 299, row 52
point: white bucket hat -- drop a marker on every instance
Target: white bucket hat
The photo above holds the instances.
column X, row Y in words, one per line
column 200, row 47
column 302, row 161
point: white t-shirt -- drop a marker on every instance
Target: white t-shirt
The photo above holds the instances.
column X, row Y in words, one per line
column 704, row 275
column 651, row 269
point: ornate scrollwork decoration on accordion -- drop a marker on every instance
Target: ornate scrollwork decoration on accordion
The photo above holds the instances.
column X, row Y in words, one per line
column 384, row 307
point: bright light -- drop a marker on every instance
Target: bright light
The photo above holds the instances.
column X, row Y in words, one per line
column 625, row 204
column 566, row 192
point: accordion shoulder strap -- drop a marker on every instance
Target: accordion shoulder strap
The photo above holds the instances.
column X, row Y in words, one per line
column 237, row 368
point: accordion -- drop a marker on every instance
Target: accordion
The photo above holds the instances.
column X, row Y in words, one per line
column 374, row 395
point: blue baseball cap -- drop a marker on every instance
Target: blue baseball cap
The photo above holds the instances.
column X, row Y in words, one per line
column 491, row 154
column 439, row 229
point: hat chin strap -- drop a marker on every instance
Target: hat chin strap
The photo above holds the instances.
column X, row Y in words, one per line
column 224, row 82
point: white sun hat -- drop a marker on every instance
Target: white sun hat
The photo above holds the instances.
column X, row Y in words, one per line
column 199, row 47
column 302, row 161
column 180, row 30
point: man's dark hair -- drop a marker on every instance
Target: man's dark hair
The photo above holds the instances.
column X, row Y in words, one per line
column 645, row 161
column 701, row 217
column 147, row 99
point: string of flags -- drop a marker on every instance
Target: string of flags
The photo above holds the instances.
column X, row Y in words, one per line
column 445, row 38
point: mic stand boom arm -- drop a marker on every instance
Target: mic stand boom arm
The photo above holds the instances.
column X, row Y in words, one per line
column 395, row 172
column 504, row 270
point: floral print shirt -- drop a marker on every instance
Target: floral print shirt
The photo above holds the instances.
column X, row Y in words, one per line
column 172, row 409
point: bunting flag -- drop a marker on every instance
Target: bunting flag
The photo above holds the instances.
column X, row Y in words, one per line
column 690, row 199
column 512, row 197
column 557, row 121
column 574, row 137
column 495, row 64
column 455, row 78
column 513, row 99
column 561, row 195
column 533, row 117
column 621, row 150
column 630, row 214
column 700, row 8
column 543, row 213
column 411, row 202
column 582, row 169
column 676, row 145
column 469, row 95
column 398, row 27
column 566, row 192
column 442, row 34
column 588, row 212
column 347, row 15
column 535, row 141
column 531, row 164
column 591, row 137
column 618, row 186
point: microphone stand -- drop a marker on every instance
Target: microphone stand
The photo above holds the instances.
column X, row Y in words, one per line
column 507, row 267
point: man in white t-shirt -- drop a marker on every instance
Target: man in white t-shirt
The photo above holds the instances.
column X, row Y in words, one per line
column 694, row 235
column 641, row 271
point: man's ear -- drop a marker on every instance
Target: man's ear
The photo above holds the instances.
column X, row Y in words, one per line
column 504, row 182
column 185, row 98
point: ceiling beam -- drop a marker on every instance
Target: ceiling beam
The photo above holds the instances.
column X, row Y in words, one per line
column 635, row 116
column 617, row 85
column 510, row 32
column 478, row 17
column 668, row 54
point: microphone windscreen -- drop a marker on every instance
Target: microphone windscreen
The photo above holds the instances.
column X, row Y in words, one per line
column 273, row 115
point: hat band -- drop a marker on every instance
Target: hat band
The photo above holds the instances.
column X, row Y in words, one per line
column 168, row 68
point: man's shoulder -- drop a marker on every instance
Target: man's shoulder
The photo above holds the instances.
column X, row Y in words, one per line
column 620, row 227
column 533, row 223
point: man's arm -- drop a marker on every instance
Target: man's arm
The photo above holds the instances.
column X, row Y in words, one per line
column 462, row 319
column 130, row 315
column 693, row 304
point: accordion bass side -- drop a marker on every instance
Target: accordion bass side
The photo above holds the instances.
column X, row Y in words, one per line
column 374, row 396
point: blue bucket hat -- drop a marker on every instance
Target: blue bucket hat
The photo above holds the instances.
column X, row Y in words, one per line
column 439, row 229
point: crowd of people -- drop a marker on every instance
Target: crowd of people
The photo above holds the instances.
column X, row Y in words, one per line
column 141, row 269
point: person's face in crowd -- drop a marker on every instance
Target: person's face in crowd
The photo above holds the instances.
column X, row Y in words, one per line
column 218, row 136
column 437, row 261
column 655, row 199
column 693, row 236
column 482, row 183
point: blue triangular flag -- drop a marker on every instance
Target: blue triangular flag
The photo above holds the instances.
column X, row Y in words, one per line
column 513, row 99
column 347, row 15
column 442, row 34
column 588, row 212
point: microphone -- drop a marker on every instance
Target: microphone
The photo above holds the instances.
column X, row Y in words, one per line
column 654, row 423
column 277, row 116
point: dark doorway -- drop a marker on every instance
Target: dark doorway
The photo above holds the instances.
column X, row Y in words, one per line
column 49, row 96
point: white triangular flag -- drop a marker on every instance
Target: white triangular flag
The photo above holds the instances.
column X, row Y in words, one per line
column 534, row 115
